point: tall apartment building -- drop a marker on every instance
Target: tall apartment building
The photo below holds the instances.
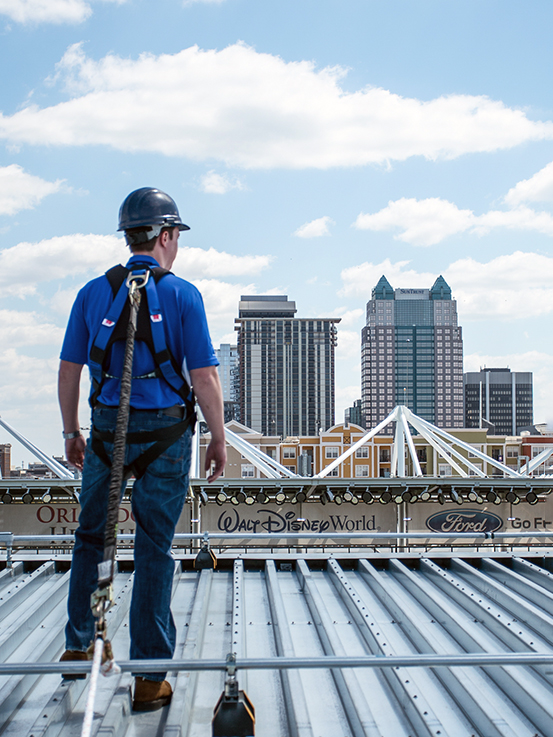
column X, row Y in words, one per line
column 412, row 354
column 227, row 356
column 286, row 367
column 499, row 400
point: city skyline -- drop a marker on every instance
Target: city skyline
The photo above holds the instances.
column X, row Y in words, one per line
column 311, row 147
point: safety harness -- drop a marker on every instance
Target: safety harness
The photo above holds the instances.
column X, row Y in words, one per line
column 150, row 330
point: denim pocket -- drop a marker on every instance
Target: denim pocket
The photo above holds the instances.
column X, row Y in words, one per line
column 174, row 462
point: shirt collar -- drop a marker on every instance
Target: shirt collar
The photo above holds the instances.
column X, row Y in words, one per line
column 142, row 259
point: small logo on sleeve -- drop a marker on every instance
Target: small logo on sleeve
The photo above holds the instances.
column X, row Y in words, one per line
column 156, row 318
column 108, row 323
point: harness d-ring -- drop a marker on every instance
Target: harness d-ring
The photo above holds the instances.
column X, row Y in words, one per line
column 136, row 280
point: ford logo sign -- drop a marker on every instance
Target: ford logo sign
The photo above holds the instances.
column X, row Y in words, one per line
column 467, row 521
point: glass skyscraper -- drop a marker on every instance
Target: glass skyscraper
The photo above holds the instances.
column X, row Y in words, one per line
column 412, row 354
column 286, row 367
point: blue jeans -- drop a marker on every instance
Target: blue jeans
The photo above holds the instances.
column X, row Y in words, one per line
column 157, row 502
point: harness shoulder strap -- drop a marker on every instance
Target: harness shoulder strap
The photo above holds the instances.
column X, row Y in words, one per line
column 150, row 329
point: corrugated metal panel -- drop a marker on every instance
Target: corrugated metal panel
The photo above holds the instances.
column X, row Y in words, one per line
column 394, row 606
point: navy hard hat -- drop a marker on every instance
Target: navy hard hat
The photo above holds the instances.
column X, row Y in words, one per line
column 149, row 206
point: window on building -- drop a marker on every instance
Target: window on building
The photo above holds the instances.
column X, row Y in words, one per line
column 332, row 451
column 248, row 471
column 362, row 452
column 361, row 471
column 334, row 472
column 384, row 455
column 444, row 469
column 288, row 452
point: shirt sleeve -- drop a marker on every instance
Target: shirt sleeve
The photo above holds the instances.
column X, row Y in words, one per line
column 75, row 342
column 198, row 348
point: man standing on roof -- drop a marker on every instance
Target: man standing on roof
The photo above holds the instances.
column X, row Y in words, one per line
column 161, row 399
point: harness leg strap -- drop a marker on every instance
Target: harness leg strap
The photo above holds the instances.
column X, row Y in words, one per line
column 162, row 438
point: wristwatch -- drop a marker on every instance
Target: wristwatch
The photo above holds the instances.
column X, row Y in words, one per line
column 71, row 435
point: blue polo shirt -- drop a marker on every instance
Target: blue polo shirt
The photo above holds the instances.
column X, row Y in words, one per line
column 186, row 333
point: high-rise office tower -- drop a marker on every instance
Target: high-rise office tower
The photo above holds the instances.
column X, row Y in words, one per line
column 412, row 354
column 286, row 367
column 499, row 400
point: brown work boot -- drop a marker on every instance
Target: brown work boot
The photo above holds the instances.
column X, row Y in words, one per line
column 73, row 655
column 150, row 695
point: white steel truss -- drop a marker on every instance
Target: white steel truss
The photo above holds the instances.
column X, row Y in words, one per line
column 446, row 446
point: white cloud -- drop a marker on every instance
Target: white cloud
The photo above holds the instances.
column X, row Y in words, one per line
column 255, row 110
column 315, row 228
column 422, row 222
column 27, row 328
column 483, row 290
column 63, row 299
column 213, row 183
column 221, row 304
column 359, row 280
column 345, row 397
column 22, row 191
column 538, row 188
column 48, row 11
column 197, row 263
column 349, row 344
column 427, row 222
column 347, row 317
column 24, row 266
column 28, row 387
column 45, row 11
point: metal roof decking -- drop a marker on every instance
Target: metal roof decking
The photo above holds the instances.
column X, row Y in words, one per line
column 410, row 608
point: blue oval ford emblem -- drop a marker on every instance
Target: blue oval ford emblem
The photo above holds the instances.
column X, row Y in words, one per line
column 464, row 521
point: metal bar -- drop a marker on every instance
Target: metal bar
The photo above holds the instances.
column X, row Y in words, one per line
column 278, row 663
column 30, row 540
column 238, row 634
column 399, row 444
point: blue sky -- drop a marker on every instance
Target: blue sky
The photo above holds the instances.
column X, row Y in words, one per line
column 311, row 146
